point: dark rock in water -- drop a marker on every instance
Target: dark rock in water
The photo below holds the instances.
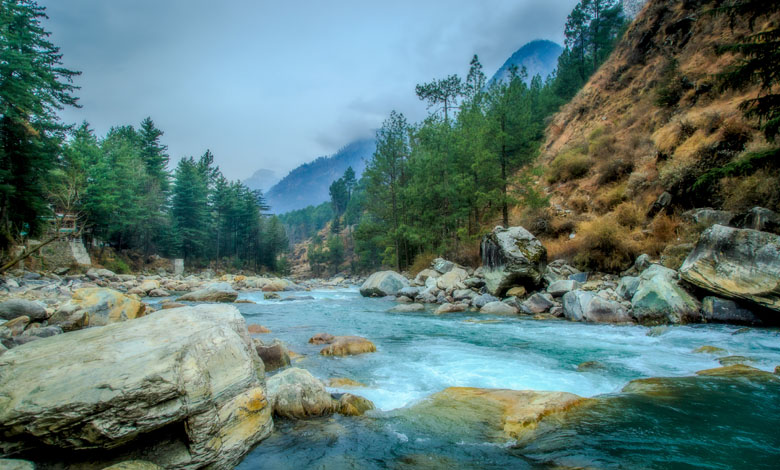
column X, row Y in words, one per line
column 271, row 296
column 512, row 257
column 322, row 338
column 296, row 394
column 739, row 264
column 589, row 366
column 274, row 355
column 13, row 308
column 353, row 405
column 759, row 218
column 717, row 310
column 383, row 283
column 297, row 297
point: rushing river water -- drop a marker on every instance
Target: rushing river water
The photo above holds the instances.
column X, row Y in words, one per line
column 694, row 422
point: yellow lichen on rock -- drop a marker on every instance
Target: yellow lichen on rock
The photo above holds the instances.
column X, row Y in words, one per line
column 737, row 370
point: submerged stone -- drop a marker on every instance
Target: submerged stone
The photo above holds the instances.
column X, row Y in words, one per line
column 348, row 346
column 738, row 370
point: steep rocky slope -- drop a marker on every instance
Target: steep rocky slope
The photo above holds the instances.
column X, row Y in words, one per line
column 652, row 121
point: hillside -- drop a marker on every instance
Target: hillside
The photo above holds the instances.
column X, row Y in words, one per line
column 539, row 57
column 307, row 185
column 652, row 121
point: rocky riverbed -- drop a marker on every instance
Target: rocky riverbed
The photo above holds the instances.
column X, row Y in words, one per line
column 510, row 364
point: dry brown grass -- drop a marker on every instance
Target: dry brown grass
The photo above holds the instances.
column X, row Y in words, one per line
column 604, row 245
column 568, row 165
column 742, row 193
column 629, row 215
column 421, row 261
column 609, row 197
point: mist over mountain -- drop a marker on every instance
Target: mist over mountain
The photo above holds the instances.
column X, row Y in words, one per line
column 539, row 57
column 263, row 179
column 308, row 184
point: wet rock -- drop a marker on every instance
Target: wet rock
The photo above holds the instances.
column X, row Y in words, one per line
column 194, row 368
column 559, row 288
column 408, row 308
column 450, row 308
column 322, row 338
column 707, row 349
column 537, row 303
column 341, row 382
column 498, row 308
column 383, row 283
column 274, row 355
column 588, row 366
column 271, row 296
column 717, row 310
column 737, row 264
column 660, row 299
column 482, row 300
column 292, row 298
column 13, row 308
column 732, row 360
column 738, row 370
column 353, row 405
column 134, row 465
column 581, row 305
column 515, row 413
column 256, row 329
column 348, row 346
column 296, row 394
column 215, row 292
column 512, row 257
column 759, row 218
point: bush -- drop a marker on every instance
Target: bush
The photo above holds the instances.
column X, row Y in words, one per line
column 614, row 170
column 672, row 85
column 118, row 265
column 604, row 246
column 745, row 192
column 421, row 261
column 610, row 198
column 629, row 215
column 568, row 165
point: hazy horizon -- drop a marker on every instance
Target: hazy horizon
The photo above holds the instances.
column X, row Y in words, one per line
column 265, row 86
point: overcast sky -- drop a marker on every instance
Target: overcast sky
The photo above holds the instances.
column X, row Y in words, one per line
column 273, row 84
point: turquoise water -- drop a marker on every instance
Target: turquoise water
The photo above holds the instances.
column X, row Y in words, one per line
column 695, row 423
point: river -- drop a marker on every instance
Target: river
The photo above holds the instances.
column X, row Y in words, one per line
column 695, row 422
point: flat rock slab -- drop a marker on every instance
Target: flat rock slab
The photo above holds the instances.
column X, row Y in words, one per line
column 100, row 388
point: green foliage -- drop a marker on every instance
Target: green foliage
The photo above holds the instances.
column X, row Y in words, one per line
column 568, row 165
column 671, row 86
column 759, row 63
column 33, row 87
column 305, row 223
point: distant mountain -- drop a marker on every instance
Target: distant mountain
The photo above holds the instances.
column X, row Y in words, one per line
column 262, row 180
column 309, row 183
column 539, row 57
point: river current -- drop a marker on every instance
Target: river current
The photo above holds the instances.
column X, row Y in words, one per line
column 695, row 422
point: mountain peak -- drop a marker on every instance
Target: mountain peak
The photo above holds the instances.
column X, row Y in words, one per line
column 539, row 57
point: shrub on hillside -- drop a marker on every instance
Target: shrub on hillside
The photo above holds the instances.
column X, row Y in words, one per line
column 569, row 165
column 629, row 215
column 604, row 245
column 421, row 261
column 614, row 169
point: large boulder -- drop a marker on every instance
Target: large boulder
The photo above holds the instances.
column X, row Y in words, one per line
column 296, row 394
column 452, row 280
column 579, row 305
column 513, row 413
column 512, row 257
column 716, row 310
column 383, row 283
column 97, row 306
column 760, row 218
column 274, row 355
column 215, row 292
column 13, row 308
column 660, row 299
column 739, row 264
column 498, row 308
column 192, row 370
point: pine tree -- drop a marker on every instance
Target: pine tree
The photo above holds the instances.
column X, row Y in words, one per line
column 759, row 64
column 33, row 86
